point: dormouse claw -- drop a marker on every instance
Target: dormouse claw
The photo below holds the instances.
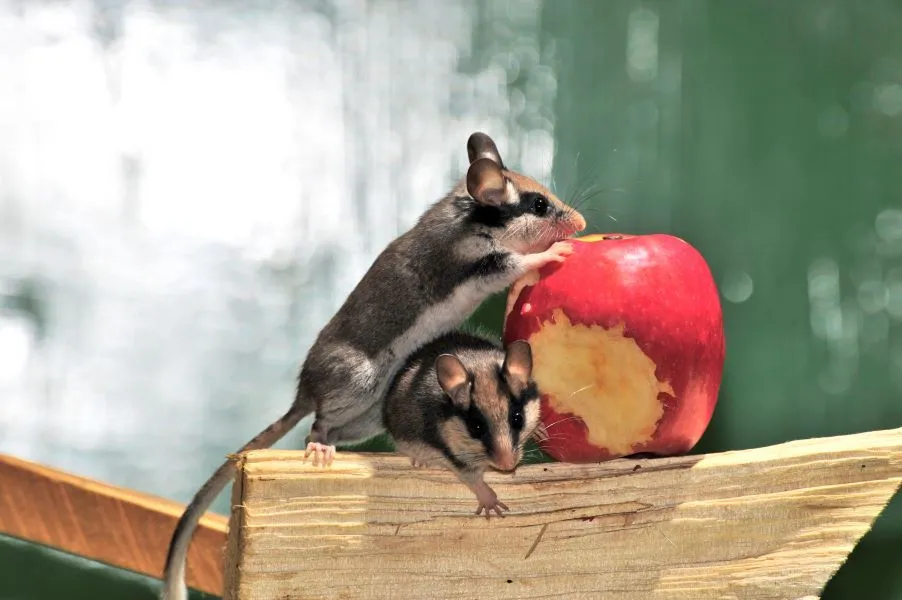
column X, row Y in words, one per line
column 498, row 507
column 323, row 455
column 559, row 251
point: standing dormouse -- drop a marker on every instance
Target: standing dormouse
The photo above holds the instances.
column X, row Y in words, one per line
column 492, row 228
column 463, row 402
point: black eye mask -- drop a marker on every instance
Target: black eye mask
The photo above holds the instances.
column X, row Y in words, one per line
column 499, row 216
column 477, row 425
column 517, row 407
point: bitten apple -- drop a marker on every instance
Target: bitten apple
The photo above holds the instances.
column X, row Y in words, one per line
column 628, row 346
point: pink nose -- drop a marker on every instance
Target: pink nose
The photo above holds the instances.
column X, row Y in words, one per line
column 505, row 461
column 577, row 222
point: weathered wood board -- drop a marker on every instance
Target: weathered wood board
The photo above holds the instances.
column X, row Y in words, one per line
column 769, row 523
column 114, row 525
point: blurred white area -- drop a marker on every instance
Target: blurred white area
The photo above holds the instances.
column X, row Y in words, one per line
column 189, row 191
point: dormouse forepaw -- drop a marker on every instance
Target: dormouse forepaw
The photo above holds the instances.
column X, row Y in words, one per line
column 488, row 502
column 557, row 252
column 323, row 455
column 498, row 506
column 561, row 249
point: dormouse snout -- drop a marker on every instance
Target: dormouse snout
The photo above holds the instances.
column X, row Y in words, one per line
column 574, row 223
column 569, row 221
column 504, row 459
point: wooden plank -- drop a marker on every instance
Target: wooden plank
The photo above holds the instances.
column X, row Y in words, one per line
column 114, row 525
column 769, row 523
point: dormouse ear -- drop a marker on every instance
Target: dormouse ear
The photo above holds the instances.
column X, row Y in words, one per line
column 518, row 363
column 452, row 375
column 481, row 146
column 485, row 182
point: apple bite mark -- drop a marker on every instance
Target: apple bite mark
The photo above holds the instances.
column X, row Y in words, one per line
column 597, row 237
column 603, row 377
column 648, row 299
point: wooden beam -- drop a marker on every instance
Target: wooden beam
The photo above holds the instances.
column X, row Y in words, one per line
column 114, row 525
column 770, row 523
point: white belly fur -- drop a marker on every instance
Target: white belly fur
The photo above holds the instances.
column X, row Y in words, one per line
column 436, row 320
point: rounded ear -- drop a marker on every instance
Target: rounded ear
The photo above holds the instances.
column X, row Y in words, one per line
column 518, row 362
column 451, row 374
column 479, row 145
column 486, row 183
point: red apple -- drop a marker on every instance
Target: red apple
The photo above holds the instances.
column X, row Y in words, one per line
column 628, row 346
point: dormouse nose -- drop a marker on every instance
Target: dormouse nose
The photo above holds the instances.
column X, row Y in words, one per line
column 505, row 460
column 577, row 222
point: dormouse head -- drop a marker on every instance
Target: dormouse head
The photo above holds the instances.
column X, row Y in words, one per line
column 525, row 214
column 492, row 407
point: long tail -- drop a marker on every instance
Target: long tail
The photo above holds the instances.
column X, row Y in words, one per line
column 174, row 587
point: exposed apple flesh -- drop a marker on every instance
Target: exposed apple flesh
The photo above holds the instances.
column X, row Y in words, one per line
column 628, row 346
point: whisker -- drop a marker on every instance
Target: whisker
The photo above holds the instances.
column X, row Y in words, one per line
column 539, row 430
column 580, row 390
column 591, row 193
column 560, row 438
column 587, row 179
column 558, row 435
column 562, row 420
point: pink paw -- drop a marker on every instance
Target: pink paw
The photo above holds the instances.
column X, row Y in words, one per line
column 323, row 455
column 559, row 251
column 488, row 501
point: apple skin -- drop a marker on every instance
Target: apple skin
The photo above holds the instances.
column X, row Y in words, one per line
column 628, row 346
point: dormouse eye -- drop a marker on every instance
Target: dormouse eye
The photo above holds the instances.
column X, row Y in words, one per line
column 517, row 419
column 540, row 206
column 476, row 426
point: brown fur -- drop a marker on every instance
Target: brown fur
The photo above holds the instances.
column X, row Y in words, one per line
column 494, row 403
column 525, row 183
column 528, row 184
column 462, row 446
column 416, row 413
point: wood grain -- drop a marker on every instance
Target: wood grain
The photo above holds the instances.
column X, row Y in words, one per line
column 110, row 524
column 769, row 523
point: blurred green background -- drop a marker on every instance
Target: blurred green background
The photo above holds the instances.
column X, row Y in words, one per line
column 766, row 133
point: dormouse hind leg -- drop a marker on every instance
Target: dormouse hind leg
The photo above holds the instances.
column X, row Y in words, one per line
column 365, row 426
column 323, row 454
column 488, row 499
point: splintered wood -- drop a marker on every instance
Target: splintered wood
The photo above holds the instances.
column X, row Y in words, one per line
column 770, row 523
